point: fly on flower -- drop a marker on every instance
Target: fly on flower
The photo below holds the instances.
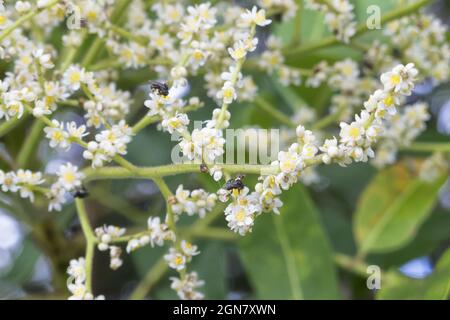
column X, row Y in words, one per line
column 161, row 88
column 235, row 184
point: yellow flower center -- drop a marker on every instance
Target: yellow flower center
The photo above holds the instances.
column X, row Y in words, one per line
column 395, row 79
column 92, row 16
column 388, row 101
column 69, row 177
column 228, row 93
column 198, row 55
column 57, row 135
column 75, row 77
column 240, row 215
column 354, row 132
column 178, row 260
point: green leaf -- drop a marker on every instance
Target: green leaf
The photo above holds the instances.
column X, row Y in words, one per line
column 435, row 286
column 211, row 267
column 23, row 266
column 391, row 210
column 433, row 233
column 288, row 256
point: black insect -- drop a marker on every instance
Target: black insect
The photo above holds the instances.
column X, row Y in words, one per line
column 160, row 88
column 235, row 183
column 80, row 192
column 203, row 168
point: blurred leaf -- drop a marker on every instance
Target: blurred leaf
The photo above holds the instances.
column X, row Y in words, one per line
column 211, row 267
column 392, row 208
column 23, row 265
column 288, row 256
column 431, row 234
column 435, row 286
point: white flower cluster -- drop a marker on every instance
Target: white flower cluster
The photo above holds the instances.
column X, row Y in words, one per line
column 272, row 61
column 156, row 235
column 400, row 131
column 339, row 16
column 105, row 235
column 23, row 181
column 434, row 167
column 76, row 282
column 287, row 8
column 422, row 38
column 108, row 143
column 177, row 259
column 69, row 180
column 186, row 287
column 347, row 81
column 197, row 201
column 61, row 135
column 354, row 144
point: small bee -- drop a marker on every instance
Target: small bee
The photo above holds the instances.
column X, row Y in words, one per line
column 80, row 192
column 160, row 88
column 235, row 184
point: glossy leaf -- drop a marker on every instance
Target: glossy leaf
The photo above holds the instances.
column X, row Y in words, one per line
column 392, row 208
column 288, row 256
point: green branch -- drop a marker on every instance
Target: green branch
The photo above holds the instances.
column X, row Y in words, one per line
column 24, row 19
column 361, row 29
column 90, row 241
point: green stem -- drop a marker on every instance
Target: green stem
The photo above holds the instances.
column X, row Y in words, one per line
column 215, row 233
column 329, row 119
column 30, row 144
column 361, row 29
column 128, row 35
column 150, row 279
column 280, row 116
column 7, row 126
column 428, row 147
column 24, row 19
column 167, row 170
column 148, row 120
column 90, row 241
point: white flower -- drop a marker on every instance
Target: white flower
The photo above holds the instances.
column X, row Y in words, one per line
column 41, row 108
column 186, row 287
column 77, row 269
column 351, row 133
column 239, row 51
column 22, row 6
column 73, row 77
column 177, row 123
column 56, row 197
column 289, row 161
column 330, row 150
column 42, row 3
column 43, row 59
column 76, row 132
column 8, row 181
column 189, row 249
column 158, row 231
column 227, row 93
column 255, row 16
column 175, row 259
column 400, row 79
column 240, row 218
column 69, row 177
column 216, row 172
column 58, row 137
